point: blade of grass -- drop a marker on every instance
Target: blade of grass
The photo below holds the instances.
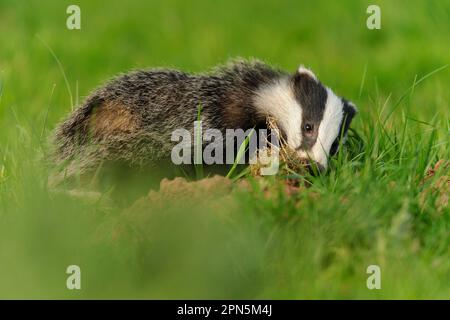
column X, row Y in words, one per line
column 47, row 111
column 362, row 81
column 412, row 87
column 61, row 69
column 241, row 153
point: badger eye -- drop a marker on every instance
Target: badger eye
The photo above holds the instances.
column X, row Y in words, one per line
column 308, row 127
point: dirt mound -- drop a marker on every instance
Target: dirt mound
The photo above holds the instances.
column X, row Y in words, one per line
column 182, row 191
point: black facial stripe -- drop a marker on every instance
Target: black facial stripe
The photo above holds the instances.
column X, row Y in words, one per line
column 349, row 113
column 312, row 96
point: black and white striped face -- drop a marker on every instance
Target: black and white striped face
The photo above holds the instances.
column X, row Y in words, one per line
column 311, row 117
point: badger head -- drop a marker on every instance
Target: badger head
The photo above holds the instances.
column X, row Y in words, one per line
column 311, row 117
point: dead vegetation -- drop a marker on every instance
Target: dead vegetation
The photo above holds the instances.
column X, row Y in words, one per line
column 287, row 158
column 436, row 186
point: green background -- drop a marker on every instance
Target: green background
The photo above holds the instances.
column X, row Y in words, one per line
column 366, row 211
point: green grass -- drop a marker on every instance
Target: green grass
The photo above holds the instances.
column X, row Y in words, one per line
column 317, row 244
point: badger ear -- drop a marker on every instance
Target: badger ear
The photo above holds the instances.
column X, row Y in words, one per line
column 303, row 71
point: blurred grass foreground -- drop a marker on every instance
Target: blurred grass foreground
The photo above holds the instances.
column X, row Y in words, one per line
column 383, row 202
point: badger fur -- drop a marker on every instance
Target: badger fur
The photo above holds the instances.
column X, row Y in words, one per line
column 131, row 118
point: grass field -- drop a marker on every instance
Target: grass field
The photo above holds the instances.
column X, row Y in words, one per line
column 372, row 208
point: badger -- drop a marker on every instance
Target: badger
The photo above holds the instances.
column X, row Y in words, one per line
column 130, row 119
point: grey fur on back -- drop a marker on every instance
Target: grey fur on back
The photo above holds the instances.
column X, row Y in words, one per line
column 131, row 118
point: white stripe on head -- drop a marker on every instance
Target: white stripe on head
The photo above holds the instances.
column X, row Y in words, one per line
column 328, row 129
column 278, row 100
